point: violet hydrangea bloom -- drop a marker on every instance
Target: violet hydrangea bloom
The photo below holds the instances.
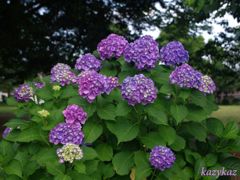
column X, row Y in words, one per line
column 39, row 85
column 185, row 76
column 111, row 83
column 6, row 131
column 173, row 54
column 23, row 93
column 91, row 84
column 138, row 90
column 88, row 62
column 112, row 46
column 207, row 85
column 64, row 133
column 74, row 114
column 62, row 74
column 162, row 158
column 69, row 152
column 143, row 52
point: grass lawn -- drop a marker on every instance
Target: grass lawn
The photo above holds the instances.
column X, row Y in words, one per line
column 228, row 113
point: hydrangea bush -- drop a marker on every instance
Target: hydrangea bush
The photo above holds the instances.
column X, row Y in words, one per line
column 118, row 115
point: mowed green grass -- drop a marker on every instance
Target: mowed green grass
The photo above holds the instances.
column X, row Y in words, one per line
column 228, row 113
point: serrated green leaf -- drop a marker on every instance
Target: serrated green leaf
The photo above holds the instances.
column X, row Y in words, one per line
column 14, row 167
column 123, row 162
column 80, row 167
column 178, row 144
column 196, row 130
column 143, row 168
column 215, row 126
column 122, row 108
column 89, row 153
column 152, row 139
column 179, row 112
column 105, row 152
column 123, row 125
column 107, row 112
column 14, row 123
column 91, row 131
column 231, row 130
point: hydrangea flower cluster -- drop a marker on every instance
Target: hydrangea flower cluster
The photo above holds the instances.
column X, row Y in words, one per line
column 62, row 74
column 43, row 113
column 207, row 85
column 6, row 132
column 74, row 114
column 162, row 158
column 88, row 62
column 91, row 84
column 39, row 85
column 69, row 152
column 173, row 54
column 111, row 83
column 112, row 46
column 138, row 90
column 65, row 133
column 143, row 52
column 185, row 76
column 23, row 93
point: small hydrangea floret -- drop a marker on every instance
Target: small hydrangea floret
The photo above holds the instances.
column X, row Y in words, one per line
column 23, row 93
column 112, row 46
column 162, row 158
column 6, row 131
column 62, row 74
column 143, row 52
column 74, row 114
column 173, row 54
column 39, row 85
column 69, row 152
column 88, row 62
column 138, row 90
column 65, row 133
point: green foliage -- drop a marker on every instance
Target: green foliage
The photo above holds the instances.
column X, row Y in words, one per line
column 118, row 137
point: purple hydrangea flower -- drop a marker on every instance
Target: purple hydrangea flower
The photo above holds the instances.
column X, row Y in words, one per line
column 74, row 114
column 143, row 52
column 23, row 93
column 91, row 84
column 138, row 89
column 173, row 54
column 62, row 74
column 112, row 46
column 162, row 158
column 88, row 62
column 39, row 85
column 111, row 83
column 207, row 85
column 185, row 76
column 6, row 132
column 65, row 133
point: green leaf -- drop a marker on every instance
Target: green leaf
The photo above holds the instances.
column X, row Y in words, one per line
column 152, row 139
column 105, row 152
column 107, row 170
column 91, row 131
column 80, row 167
column 107, row 112
column 108, row 68
column 123, row 130
column 14, row 123
column 215, row 126
column 55, row 168
column 69, row 91
column 45, row 155
column 196, row 130
column 62, row 177
column 179, row 112
column 167, row 133
column 14, row 167
column 154, row 110
column 178, row 144
column 199, row 164
column 143, row 169
column 30, row 168
column 123, row 162
column 91, row 166
column 27, row 135
column 184, row 93
column 231, row 130
column 89, row 153
column 7, row 151
column 44, row 93
column 122, row 108
column 210, row 160
column 232, row 163
column 166, row 89
column 196, row 113
column 198, row 99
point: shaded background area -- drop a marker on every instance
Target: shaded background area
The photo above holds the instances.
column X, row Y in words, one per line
column 36, row 34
